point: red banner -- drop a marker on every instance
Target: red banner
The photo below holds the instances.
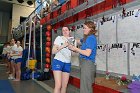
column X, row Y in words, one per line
column 89, row 12
column 55, row 14
column 96, row 9
column 74, row 3
column 61, row 23
column 69, row 20
column 42, row 21
column 48, row 17
column 68, row 5
column 80, row 2
column 63, row 8
column 81, row 15
column 51, row 15
column 75, row 18
column 108, row 4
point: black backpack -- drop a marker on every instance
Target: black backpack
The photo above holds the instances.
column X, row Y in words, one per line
column 44, row 76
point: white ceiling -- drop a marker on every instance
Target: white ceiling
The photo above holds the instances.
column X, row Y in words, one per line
column 16, row 2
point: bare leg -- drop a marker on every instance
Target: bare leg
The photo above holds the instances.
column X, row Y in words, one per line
column 10, row 67
column 57, row 78
column 18, row 72
column 65, row 79
column 13, row 69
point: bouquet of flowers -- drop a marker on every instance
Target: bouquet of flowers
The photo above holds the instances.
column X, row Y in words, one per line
column 122, row 80
column 107, row 75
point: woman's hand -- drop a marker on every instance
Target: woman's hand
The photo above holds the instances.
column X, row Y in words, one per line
column 86, row 52
column 10, row 55
column 65, row 44
column 78, row 41
column 73, row 48
column 57, row 48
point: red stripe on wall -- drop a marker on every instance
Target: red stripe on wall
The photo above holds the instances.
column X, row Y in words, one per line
column 96, row 9
column 96, row 88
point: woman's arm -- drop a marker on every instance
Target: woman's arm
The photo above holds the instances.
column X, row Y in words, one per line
column 57, row 48
column 19, row 54
column 86, row 52
column 78, row 41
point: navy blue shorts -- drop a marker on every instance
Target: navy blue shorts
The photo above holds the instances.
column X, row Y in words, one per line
column 11, row 60
column 61, row 66
column 18, row 60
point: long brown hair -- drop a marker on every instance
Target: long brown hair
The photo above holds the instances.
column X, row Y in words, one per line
column 93, row 30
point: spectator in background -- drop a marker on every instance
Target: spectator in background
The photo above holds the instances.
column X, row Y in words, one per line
column 12, row 58
column 18, row 60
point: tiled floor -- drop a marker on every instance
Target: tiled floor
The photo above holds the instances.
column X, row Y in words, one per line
column 70, row 89
column 28, row 86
